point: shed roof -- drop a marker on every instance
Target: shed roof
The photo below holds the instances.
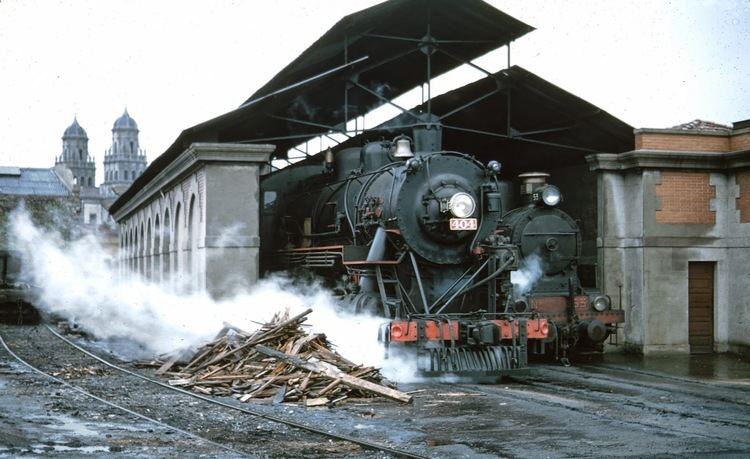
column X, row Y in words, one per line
column 377, row 52
column 32, row 182
column 549, row 127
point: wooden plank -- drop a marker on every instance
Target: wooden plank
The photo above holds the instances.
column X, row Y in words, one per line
column 168, row 364
column 325, row 368
column 298, row 318
column 321, row 401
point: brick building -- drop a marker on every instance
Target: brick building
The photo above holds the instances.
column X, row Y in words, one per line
column 674, row 239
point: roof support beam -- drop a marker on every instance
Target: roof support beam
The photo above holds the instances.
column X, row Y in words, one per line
column 385, row 100
column 310, row 123
column 520, row 139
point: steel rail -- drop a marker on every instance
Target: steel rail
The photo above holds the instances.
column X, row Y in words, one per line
column 689, row 380
column 655, row 386
column 528, row 396
column 115, row 405
column 364, row 443
column 557, row 386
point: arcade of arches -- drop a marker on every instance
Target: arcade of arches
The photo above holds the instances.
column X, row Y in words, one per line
column 165, row 234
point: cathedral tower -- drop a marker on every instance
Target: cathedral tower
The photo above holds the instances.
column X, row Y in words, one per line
column 124, row 161
column 75, row 155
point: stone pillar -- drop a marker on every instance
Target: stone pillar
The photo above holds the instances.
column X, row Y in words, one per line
column 231, row 243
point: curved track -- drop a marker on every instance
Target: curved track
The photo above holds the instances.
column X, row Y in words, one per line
column 580, row 411
column 368, row 445
column 115, row 405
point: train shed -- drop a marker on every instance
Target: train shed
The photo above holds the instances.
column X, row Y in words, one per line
column 625, row 188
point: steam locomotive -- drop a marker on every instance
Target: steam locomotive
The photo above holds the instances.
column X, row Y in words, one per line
column 425, row 238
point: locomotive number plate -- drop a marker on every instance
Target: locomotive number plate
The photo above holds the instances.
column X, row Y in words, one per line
column 463, row 224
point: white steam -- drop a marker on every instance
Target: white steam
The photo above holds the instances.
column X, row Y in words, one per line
column 231, row 236
column 529, row 272
column 78, row 280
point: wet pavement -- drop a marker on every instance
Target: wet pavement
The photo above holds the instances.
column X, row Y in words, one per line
column 610, row 406
column 707, row 367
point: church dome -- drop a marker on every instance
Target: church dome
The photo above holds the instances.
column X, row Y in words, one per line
column 75, row 130
column 125, row 122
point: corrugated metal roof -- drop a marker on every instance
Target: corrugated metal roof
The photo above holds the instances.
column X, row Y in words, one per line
column 5, row 170
column 384, row 46
column 551, row 127
column 33, row 182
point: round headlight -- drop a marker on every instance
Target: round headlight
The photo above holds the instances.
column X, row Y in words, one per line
column 461, row 205
column 601, row 303
column 551, row 195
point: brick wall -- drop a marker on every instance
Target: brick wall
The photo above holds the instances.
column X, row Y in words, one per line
column 685, row 198
column 741, row 142
column 743, row 201
column 682, row 142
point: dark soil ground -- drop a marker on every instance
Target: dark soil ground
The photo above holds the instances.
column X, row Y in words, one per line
column 683, row 406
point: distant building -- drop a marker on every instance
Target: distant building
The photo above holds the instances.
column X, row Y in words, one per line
column 124, row 161
column 47, row 197
column 75, row 155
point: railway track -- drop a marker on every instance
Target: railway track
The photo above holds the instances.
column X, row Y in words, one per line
column 580, row 412
column 35, row 359
column 701, row 385
column 732, row 394
column 582, row 394
column 116, row 406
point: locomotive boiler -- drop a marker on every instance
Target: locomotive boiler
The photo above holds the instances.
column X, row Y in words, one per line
column 425, row 238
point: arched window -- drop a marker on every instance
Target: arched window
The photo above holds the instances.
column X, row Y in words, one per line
column 80, row 154
column 192, row 237
column 132, row 175
column 148, row 255
column 135, row 250
column 157, row 235
column 178, row 245
column 165, row 244
column 158, row 263
column 116, row 175
column 126, row 175
column 142, row 252
column 131, row 147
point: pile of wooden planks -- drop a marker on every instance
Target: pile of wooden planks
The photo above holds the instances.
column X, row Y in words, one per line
column 280, row 361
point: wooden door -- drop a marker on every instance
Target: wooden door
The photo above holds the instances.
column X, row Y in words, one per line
column 701, row 307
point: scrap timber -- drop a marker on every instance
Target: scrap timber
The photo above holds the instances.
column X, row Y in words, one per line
column 280, row 362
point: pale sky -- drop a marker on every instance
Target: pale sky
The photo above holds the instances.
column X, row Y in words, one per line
column 177, row 63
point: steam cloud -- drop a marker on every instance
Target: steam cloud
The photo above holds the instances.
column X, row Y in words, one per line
column 78, row 281
column 530, row 271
